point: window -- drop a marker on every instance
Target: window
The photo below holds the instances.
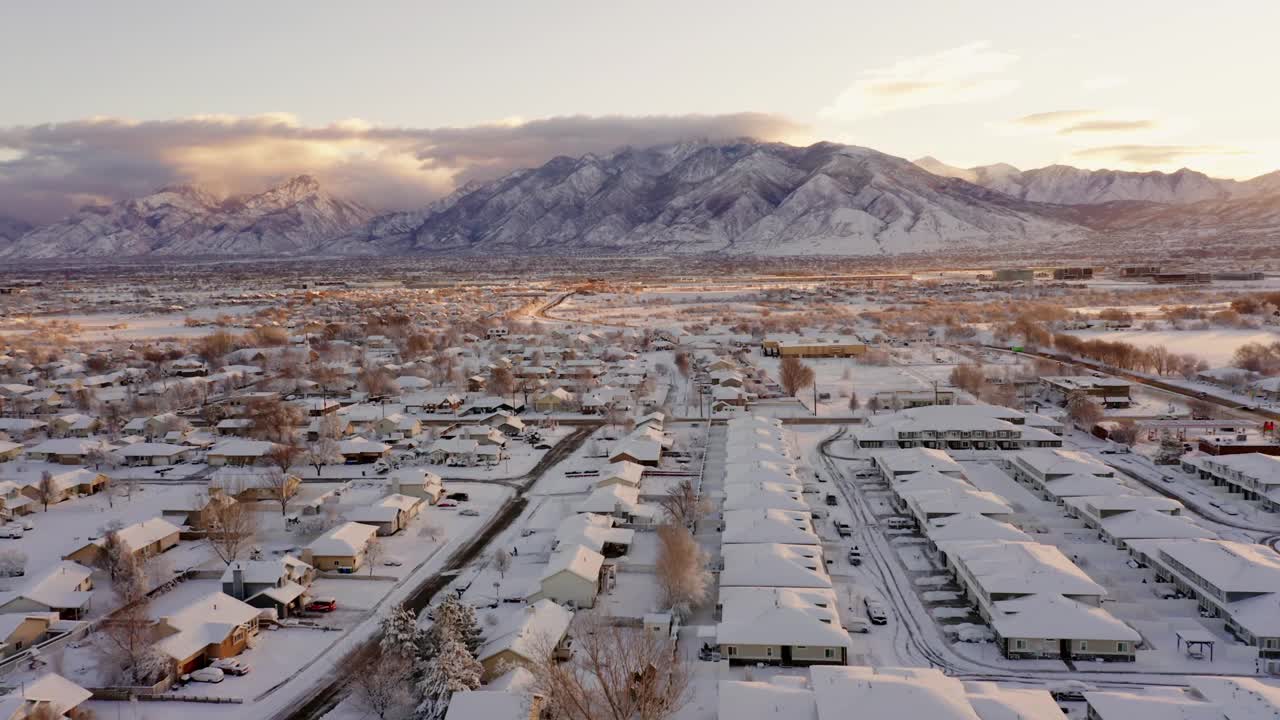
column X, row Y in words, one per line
column 1019, row 644
column 828, row 653
column 733, row 650
column 1084, row 644
column 768, row 652
column 1122, row 647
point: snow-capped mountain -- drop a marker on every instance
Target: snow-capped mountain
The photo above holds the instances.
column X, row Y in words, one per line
column 740, row 197
column 183, row 220
column 1066, row 185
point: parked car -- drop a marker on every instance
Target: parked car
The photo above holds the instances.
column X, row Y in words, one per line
column 323, row 604
column 857, row 625
column 875, row 611
column 470, row 513
column 1167, row 478
column 393, row 562
column 447, row 504
column 231, row 666
column 207, row 675
column 459, row 496
column 1229, row 509
column 11, row 531
column 843, row 529
column 831, row 499
column 899, row 523
column 381, row 467
column 855, row 556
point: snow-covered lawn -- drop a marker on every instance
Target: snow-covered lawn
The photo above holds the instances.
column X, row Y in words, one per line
column 1216, row 346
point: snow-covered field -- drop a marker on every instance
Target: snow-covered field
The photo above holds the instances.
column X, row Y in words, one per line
column 1215, row 346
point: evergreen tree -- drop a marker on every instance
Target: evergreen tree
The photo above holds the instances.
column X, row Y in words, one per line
column 449, row 661
column 401, row 637
column 1170, row 452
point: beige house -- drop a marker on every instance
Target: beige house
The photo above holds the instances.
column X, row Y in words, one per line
column 523, row 637
column 19, row 632
column 65, row 589
column 341, row 549
column 145, row 539
column 574, row 576
column 238, row 452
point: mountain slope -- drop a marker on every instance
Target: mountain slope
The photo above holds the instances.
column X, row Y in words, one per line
column 11, row 229
column 1065, row 185
column 292, row 218
column 738, row 197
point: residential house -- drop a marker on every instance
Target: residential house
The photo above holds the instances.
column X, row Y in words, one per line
column 142, row 539
column 340, row 549
column 213, row 627
column 279, row 584
column 574, row 576
column 238, row 452
column 389, row 515
column 65, row 589
column 522, row 638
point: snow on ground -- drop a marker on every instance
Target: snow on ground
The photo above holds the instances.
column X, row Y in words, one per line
column 1216, row 346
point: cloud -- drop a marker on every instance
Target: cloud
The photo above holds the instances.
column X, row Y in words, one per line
column 49, row 170
column 1154, row 155
column 1053, row 117
column 1108, row 126
column 969, row 73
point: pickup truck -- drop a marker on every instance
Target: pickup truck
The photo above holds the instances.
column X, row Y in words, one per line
column 843, row 529
column 875, row 611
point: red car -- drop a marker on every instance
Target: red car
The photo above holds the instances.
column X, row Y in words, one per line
column 447, row 504
column 324, row 605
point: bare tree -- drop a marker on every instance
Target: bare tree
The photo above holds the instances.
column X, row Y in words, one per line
column 322, row 452
column 794, row 375
column 47, row 489
column 681, row 569
column 127, row 638
column 501, row 563
column 273, row 420
column 229, row 524
column 1083, row 411
column 374, row 550
column 281, row 486
column 381, row 684
column 1125, row 433
column 684, row 506
column 616, row 673
column 284, row 455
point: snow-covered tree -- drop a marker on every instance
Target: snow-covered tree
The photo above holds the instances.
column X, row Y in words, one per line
column 1170, row 452
column 401, row 636
column 453, row 668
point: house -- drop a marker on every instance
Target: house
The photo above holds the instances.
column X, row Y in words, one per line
column 279, row 584
column 188, row 367
column 398, row 426
column 154, row 453
column 783, row 527
column 142, row 540
column 74, row 425
column 1050, row 626
column 416, row 482
column 574, row 576
column 903, row 399
column 1238, row 582
column 620, row 473
column 456, row 452
column 65, row 588
column 213, row 627
column 494, row 705
column 640, row 452
column 764, row 496
column 48, row 696
column 197, row 511
column 522, row 638
column 340, row 549
column 19, row 631
column 359, row 450
column 67, row 451
column 773, row 565
column 238, row 452
column 254, row 484
column 787, row 626
column 389, row 515
column 596, row 532
column 22, row 428
column 1111, row 392
column 1254, row 476
column 619, row 501
column 557, row 400
column 65, row 485
column 234, row 427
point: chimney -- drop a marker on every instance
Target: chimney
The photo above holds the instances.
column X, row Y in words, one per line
column 237, row 581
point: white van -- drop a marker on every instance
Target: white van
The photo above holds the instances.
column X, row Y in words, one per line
column 899, row 523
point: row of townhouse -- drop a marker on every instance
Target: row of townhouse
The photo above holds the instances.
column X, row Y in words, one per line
column 1254, row 476
column 1238, row 582
column 1038, row 603
column 959, row 427
column 776, row 601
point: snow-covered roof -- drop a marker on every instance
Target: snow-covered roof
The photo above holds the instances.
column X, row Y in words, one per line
column 345, row 540
column 592, row 531
column 885, row 692
column 912, row 460
column 576, row 560
column 207, row 621
column 773, row 565
column 142, row 534
column 1249, row 698
column 1050, row 615
column 780, row 616
column 624, row 470
column 763, row 495
column 1082, row 485
column 239, row 447
column 152, row 449
column 68, row 446
column 609, row 498
column 488, row 704
column 1054, row 461
column 1147, row 523
column 61, row 694
column 259, row 572
column 769, row 526
column 55, row 587
column 956, row 500
column 1153, row 703
column 775, row 700
column 1232, row 567
column 528, row 632
column 1022, row 568
column 971, row 526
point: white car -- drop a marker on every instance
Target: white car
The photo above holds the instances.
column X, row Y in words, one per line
column 231, row 666
column 207, row 674
column 393, row 562
column 1229, row 509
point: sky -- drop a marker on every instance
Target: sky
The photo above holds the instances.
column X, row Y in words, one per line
column 395, row 103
